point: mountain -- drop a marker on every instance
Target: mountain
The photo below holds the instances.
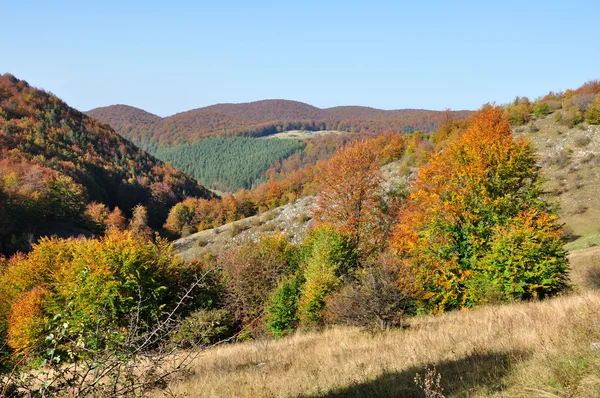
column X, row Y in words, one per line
column 261, row 118
column 54, row 160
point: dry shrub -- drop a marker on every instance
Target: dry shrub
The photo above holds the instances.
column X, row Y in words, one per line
column 582, row 141
column 252, row 272
column 562, row 159
column 430, row 383
column 379, row 298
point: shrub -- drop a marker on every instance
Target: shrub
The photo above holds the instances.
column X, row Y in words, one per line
column 571, row 117
column 519, row 112
column 378, row 298
column 252, row 271
column 562, row 159
column 484, row 186
column 303, row 217
column 582, row 141
column 91, row 284
column 533, row 128
column 526, row 258
column 204, row 327
column 592, row 115
column 331, row 256
column 109, row 305
column 282, row 309
column 541, row 108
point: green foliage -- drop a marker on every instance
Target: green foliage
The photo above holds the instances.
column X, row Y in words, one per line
column 232, row 163
column 525, row 259
column 570, row 117
column 326, row 243
column 282, row 310
column 519, row 112
column 541, row 108
column 252, row 271
column 467, row 197
column 331, row 256
column 31, row 196
column 91, row 285
column 53, row 159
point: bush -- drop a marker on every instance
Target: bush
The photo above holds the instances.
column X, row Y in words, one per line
column 378, row 298
column 519, row 112
column 592, row 115
column 526, row 258
column 252, row 272
column 571, row 117
column 90, row 284
column 95, row 317
column 582, row 141
column 235, row 229
column 282, row 309
column 331, row 256
column 541, row 108
column 479, row 199
column 204, row 327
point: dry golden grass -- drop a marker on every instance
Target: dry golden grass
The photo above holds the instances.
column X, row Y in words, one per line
column 535, row 349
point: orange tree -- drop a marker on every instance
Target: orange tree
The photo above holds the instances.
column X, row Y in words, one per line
column 350, row 196
column 476, row 227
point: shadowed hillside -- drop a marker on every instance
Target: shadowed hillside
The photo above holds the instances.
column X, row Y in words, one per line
column 54, row 160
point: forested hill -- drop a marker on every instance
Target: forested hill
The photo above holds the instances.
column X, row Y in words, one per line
column 54, row 160
column 261, row 118
column 124, row 116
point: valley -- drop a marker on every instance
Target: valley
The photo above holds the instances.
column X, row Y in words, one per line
column 458, row 260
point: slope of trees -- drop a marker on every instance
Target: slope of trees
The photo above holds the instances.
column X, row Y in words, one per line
column 262, row 118
column 229, row 164
column 54, row 160
column 570, row 107
column 283, row 186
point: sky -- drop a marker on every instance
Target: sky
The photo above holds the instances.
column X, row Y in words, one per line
column 172, row 56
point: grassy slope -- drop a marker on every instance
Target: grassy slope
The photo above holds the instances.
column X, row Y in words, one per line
column 574, row 180
column 537, row 349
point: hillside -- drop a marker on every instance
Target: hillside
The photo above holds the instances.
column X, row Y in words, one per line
column 232, row 163
column 54, row 160
column 570, row 159
column 261, row 118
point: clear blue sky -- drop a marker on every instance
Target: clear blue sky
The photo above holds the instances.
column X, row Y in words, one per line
column 172, row 56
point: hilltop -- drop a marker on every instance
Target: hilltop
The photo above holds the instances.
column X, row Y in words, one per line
column 260, row 118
